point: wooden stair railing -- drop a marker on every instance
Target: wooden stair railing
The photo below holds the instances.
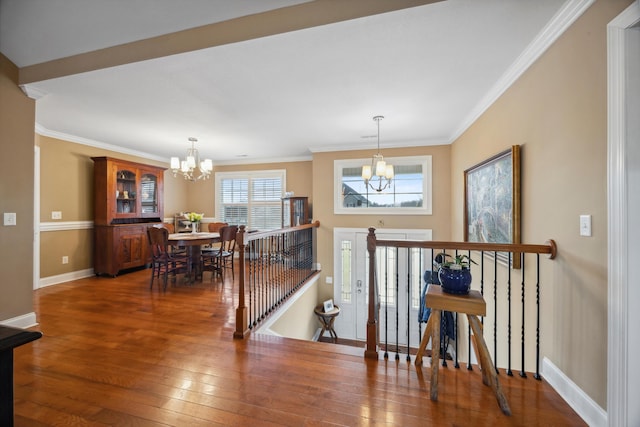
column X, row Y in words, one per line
column 517, row 251
column 272, row 266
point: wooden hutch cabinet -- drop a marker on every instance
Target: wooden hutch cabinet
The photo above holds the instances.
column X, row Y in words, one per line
column 128, row 198
column 295, row 211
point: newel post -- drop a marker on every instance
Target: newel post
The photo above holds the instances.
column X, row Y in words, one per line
column 371, row 351
column 242, row 315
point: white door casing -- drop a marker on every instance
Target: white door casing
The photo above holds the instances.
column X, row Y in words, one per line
column 351, row 281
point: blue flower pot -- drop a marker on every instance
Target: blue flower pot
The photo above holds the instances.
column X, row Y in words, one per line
column 455, row 281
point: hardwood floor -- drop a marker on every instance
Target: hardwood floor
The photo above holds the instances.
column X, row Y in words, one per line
column 114, row 353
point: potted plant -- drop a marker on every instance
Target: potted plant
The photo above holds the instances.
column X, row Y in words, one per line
column 454, row 274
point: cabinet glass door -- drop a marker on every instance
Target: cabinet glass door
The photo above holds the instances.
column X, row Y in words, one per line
column 298, row 212
column 126, row 192
column 286, row 213
column 149, row 193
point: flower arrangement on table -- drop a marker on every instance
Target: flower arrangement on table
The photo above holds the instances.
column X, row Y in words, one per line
column 194, row 218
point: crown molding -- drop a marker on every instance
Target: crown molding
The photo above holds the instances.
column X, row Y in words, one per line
column 33, row 92
column 560, row 22
column 41, row 130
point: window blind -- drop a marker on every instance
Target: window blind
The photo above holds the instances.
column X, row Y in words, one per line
column 252, row 199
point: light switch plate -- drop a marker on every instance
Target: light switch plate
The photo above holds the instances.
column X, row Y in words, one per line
column 9, row 218
column 585, row 225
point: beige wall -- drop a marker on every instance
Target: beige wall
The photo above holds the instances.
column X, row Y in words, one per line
column 298, row 320
column 438, row 221
column 66, row 185
column 557, row 112
column 17, row 122
column 71, row 192
column 202, row 193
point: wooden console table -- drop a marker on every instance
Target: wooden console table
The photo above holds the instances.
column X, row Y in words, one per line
column 10, row 338
column 473, row 305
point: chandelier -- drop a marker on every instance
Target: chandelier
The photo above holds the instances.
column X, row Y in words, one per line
column 187, row 167
column 384, row 172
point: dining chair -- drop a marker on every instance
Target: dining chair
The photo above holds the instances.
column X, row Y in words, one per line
column 214, row 227
column 164, row 262
column 172, row 229
column 221, row 259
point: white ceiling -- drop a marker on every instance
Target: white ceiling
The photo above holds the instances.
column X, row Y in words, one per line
column 430, row 70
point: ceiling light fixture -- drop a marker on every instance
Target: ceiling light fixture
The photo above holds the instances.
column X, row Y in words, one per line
column 188, row 166
column 384, row 172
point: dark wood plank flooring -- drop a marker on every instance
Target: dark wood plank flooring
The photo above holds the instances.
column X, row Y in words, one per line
column 115, row 353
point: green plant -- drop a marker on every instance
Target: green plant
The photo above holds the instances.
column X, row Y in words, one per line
column 457, row 262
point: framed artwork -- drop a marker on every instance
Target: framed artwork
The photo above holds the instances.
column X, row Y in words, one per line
column 328, row 305
column 492, row 201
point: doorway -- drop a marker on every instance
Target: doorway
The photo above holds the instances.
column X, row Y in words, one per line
column 623, row 376
column 351, row 287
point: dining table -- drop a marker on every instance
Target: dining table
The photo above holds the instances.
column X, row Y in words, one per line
column 193, row 243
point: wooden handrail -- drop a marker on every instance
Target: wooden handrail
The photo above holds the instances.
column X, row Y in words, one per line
column 243, row 238
column 257, row 235
column 548, row 248
column 371, row 349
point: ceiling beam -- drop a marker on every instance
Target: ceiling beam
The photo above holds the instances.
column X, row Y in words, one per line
column 277, row 21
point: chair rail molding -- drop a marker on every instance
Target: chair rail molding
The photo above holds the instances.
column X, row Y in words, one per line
column 66, row 225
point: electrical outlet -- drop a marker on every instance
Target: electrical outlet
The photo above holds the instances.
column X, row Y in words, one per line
column 56, row 215
column 328, row 280
column 65, row 260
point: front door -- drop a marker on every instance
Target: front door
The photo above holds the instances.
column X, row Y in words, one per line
column 351, row 287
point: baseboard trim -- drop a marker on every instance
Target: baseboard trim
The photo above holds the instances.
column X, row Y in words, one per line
column 66, row 277
column 24, row 321
column 586, row 408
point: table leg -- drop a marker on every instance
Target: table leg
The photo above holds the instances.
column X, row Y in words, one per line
column 194, row 272
column 425, row 340
column 332, row 331
column 435, row 352
column 487, row 364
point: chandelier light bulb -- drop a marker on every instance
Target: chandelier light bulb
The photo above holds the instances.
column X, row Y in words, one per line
column 187, row 167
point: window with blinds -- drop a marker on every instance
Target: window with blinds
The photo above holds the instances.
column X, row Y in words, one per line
column 252, row 198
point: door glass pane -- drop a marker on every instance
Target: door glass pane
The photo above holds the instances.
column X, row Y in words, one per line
column 345, row 256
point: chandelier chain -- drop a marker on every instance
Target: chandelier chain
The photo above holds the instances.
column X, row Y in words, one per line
column 383, row 172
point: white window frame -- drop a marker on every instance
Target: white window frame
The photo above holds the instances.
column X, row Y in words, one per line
column 271, row 173
column 425, row 209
